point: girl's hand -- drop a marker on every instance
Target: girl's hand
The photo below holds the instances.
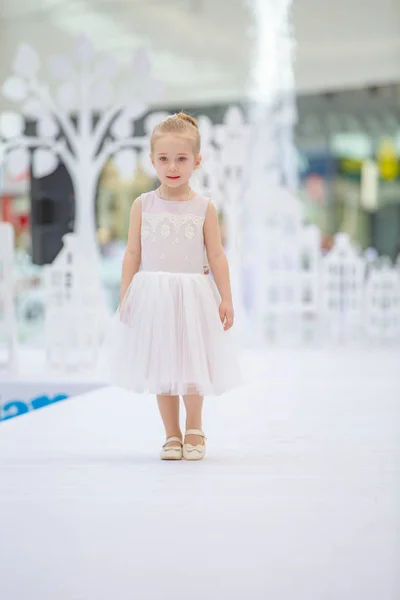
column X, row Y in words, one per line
column 226, row 314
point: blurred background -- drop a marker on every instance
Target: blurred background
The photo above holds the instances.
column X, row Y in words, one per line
column 346, row 73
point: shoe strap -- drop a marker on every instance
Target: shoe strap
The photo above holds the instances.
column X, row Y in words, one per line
column 195, row 432
column 173, row 439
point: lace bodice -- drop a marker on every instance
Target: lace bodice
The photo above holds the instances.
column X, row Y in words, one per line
column 172, row 234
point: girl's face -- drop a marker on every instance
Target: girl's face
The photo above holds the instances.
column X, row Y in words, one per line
column 174, row 160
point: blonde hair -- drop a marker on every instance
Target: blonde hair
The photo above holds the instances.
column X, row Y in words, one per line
column 181, row 124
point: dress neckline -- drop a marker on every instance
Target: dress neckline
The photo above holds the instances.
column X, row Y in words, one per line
column 176, row 201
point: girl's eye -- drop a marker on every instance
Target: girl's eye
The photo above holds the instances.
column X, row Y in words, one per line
column 182, row 158
column 163, row 158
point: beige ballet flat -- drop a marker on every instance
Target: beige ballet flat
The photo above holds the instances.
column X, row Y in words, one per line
column 172, row 452
column 194, row 452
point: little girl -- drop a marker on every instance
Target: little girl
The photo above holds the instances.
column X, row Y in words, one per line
column 170, row 333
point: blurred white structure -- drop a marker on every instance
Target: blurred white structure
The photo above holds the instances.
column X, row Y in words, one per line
column 281, row 267
column 273, row 227
column 382, row 303
column 310, row 283
column 74, row 319
column 343, row 288
column 8, row 337
column 222, row 177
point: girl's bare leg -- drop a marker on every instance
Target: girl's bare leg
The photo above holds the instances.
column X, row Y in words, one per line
column 169, row 410
column 194, row 408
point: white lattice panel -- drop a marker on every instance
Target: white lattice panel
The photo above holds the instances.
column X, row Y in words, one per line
column 382, row 303
column 311, row 269
column 283, row 252
column 343, row 272
column 311, row 263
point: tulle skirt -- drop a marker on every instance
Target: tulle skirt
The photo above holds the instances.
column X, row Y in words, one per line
column 167, row 338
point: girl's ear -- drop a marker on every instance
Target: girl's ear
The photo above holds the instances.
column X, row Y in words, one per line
column 198, row 161
column 151, row 158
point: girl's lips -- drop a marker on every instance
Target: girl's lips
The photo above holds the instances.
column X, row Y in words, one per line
column 171, row 177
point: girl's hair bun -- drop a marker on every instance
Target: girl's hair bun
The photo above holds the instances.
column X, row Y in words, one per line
column 187, row 118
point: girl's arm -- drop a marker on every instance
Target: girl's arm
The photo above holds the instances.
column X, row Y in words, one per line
column 219, row 265
column 133, row 252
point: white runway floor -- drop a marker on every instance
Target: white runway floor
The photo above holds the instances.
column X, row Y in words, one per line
column 297, row 499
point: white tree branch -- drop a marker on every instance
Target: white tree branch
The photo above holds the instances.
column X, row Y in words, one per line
column 60, row 148
column 68, row 159
column 103, row 124
column 66, row 125
column 111, row 147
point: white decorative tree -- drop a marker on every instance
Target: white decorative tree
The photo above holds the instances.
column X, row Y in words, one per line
column 89, row 119
column 66, row 125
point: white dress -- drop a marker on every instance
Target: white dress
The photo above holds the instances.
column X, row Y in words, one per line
column 167, row 336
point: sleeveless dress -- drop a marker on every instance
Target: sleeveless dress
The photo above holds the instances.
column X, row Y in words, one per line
column 166, row 336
